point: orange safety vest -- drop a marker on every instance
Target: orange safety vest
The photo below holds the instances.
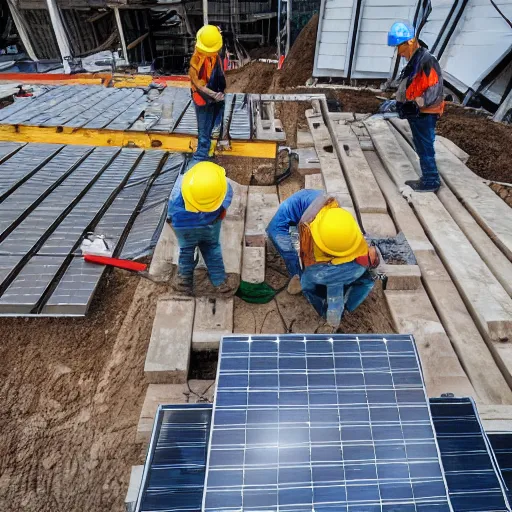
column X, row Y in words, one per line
column 309, row 252
column 204, row 67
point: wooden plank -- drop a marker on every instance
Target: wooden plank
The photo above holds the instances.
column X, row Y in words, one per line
column 412, row 313
column 493, row 214
column 472, row 350
column 378, row 224
column 365, row 190
column 496, row 418
column 332, row 173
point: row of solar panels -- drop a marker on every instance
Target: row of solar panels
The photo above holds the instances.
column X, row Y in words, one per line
column 98, row 107
column 325, row 423
column 477, row 465
column 51, row 196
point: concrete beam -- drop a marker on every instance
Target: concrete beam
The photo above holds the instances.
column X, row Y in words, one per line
column 253, row 265
column 262, row 204
column 378, row 224
column 304, row 139
column 402, row 277
column 308, row 161
column 314, row 182
column 213, row 319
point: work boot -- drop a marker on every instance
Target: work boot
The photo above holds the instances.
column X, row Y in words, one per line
column 419, row 186
column 224, row 288
column 294, row 287
column 182, row 284
column 325, row 328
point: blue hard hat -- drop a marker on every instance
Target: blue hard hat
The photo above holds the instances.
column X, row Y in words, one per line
column 400, row 32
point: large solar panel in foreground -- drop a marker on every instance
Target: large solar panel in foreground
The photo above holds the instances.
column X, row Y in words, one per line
column 325, row 423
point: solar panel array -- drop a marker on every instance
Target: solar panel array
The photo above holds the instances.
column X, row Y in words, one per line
column 173, row 478
column 473, row 478
column 98, row 107
column 51, row 196
column 501, row 443
column 326, row 423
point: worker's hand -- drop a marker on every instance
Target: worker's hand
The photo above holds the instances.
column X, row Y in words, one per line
column 219, row 96
column 294, row 287
column 420, row 101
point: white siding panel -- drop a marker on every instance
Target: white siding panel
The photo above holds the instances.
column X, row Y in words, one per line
column 392, row 13
column 382, row 51
column 336, row 25
column 375, row 64
column 374, row 38
column 334, row 37
column 341, row 13
column 338, row 50
column 331, row 4
column 328, row 62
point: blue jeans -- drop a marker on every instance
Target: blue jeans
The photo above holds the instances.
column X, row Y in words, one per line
column 423, row 135
column 284, row 246
column 332, row 288
column 208, row 116
column 207, row 239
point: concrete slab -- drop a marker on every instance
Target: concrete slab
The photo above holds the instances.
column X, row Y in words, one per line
column 489, row 304
column 365, row 190
column 334, row 179
column 308, row 161
column 451, row 146
column 213, row 319
column 412, row 313
column 168, row 355
column 378, row 224
column 165, row 256
column 314, row 182
column 133, row 488
column 304, row 139
column 262, row 204
column 253, row 264
column 402, row 277
column 395, row 161
column 166, row 394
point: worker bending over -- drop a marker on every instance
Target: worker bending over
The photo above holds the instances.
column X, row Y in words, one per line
column 197, row 205
column 420, row 100
column 208, row 84
column 333, row 269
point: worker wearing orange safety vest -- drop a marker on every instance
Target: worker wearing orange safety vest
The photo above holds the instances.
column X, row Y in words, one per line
column 335, row 260
column 420, row 100
column 208, row 84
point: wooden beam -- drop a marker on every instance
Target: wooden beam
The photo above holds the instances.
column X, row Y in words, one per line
column 121, row 34
column 60, row 34
column 137, row 41
column 162, row 141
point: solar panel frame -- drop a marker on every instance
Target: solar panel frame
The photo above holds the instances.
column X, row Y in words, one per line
column 247, row 398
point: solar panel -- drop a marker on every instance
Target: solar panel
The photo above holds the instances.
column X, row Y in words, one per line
column 471, row 473
column 173, row 478
column 325, row 423
column 501, row 443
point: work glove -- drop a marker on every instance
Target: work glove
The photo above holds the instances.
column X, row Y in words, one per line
column 407, row 110
column 294, row 287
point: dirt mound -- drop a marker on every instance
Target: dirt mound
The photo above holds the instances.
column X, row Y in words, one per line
column 298, row 65
column 486, row 142
column 256, row 77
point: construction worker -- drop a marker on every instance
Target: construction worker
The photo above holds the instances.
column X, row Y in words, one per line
column 208, row 84
column 333, row 269
column 420, row 100
column 197, row 205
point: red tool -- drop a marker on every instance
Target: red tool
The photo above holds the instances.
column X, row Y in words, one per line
column 132, row 266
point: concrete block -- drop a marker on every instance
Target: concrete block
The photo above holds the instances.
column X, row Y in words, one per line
column 213, row 319
column 451, row 146
column 402, row 277
column 262, row 204
column 308, row 161
column 304, row 139
column 168, row 355
column 366, row 192
column 167, row 394
column 133, row 488
column 412, row 313
column 314, row 182
column 165, row 255
column 378, row 224
column 253, row 264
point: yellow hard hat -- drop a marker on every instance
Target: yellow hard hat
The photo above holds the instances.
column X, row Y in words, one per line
column 336, row 232
column 209, row 39
column 204, row 187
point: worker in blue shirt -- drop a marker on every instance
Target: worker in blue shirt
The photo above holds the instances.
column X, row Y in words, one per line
column 335, row 259
column 197, row 205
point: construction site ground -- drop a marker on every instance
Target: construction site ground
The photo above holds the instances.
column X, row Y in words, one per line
column 71, row 390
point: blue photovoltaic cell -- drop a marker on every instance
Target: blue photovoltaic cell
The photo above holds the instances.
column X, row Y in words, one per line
column 474, row 484
column 326, row 423
column 173, row 478
column 501, row 443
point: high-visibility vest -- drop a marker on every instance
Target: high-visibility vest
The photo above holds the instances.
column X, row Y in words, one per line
column 204, row 74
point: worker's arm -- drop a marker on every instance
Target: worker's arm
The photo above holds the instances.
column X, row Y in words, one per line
column 279, row 233
column 195, row 65
column 335, row 304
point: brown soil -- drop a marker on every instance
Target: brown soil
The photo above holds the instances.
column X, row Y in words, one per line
column 70, row 397
column 504, row 191
column 486, row 142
